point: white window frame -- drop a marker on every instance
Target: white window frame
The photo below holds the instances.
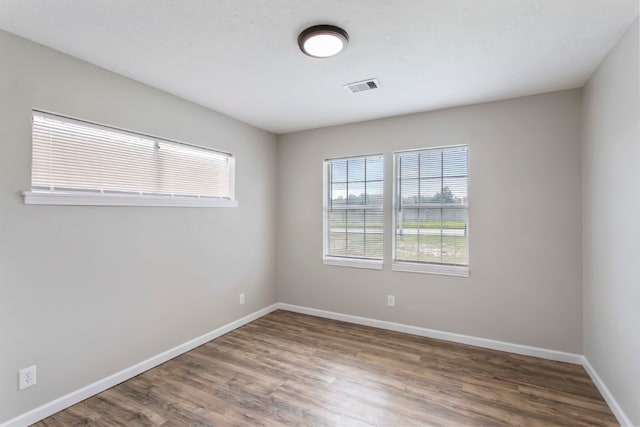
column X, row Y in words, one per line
column 107, row 198
column 422, row 267
column 345, row 261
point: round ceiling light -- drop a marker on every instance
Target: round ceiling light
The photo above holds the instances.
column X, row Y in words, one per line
column 323, row 41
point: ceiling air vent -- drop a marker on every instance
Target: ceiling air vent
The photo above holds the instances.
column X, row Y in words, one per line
column 362, row 86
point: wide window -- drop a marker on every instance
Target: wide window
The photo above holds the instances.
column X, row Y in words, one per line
column 431, row 227
column 75, row 162
column 353, row 217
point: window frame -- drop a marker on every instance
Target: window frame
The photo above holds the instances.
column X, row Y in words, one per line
column 82, row 197
column 425, row 267
column 330, row 260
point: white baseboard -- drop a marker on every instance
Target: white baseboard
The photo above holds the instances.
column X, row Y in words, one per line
column 608, row 397
column 74, row 397
column 433, row 333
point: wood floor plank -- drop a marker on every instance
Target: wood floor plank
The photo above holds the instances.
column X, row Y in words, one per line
column 291, row 369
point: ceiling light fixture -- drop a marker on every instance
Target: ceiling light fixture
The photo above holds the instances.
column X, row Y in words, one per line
column 323, row 41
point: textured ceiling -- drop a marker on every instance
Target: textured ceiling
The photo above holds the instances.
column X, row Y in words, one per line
column 240, row 57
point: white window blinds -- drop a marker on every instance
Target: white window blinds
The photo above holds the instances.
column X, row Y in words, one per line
column 354, row 208
column 74, row 156
column 430, row 206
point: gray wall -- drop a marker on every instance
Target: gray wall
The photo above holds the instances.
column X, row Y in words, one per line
column 88, row 291
column 525, row 226
column 611, row 210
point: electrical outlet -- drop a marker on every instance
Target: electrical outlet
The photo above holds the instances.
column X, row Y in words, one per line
column 391, row 301
column 242, row 298
column 27, row 377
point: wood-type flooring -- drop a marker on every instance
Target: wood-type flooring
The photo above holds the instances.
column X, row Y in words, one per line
column 292, row 369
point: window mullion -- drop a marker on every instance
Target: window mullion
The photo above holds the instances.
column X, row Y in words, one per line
column 364, row 213
column 441, row 206
column 347, row 219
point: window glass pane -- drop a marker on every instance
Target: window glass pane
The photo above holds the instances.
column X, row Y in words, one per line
column 406, row 240
column 339, row 194
column 430, row 190
column 355, row 221
column 358, row 233
column 338, row 220
column 337, row 232
column 375, row 168
column 374, row 192
column 454, row 243
column 339, row 171
column 429, row 235
column 373, row 248
column 356, row 193
column 355, row 169
column 355, row 245
column 455, row 190
column 408, row 165
column 429, row 221
column 419, row 235
column 374, row 220
column 410, row 191
column 338, row 244
column 430, row 164
column 454, row 162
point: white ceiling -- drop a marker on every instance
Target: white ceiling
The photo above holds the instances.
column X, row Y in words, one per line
column 240, row 57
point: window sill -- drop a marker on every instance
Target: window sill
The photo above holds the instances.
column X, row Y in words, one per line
column 96, row 199
column 353, row 262
column 446, row 270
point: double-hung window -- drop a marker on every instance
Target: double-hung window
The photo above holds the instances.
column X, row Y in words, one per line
column 80, row 163
column 353, row 211
column 431, row 227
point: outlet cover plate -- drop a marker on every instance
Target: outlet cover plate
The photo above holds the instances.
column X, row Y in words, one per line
column 391, row 300
column 27, row 377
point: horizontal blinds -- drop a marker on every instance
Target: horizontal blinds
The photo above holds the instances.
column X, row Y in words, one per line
column 72, row 155
column 431, row 210
column 355, row 207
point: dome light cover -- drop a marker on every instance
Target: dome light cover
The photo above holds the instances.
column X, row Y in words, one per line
column 323, row 41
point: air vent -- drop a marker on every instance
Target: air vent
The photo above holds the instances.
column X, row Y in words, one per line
column 362, row 86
